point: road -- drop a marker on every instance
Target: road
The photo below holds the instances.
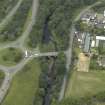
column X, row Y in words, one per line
column 10, row 71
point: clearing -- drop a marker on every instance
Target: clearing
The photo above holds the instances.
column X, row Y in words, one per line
column 10, row 56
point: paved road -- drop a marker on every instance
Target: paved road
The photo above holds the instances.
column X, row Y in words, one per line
column 6, row 84
column 10, row 15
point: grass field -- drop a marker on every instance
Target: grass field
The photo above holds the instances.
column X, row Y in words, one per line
column 24, row 85
column 10, row 56
column 83, row 84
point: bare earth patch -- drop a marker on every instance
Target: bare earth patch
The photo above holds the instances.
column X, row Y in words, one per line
column 83, row 63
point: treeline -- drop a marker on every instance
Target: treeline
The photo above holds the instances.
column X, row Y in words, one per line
column 15, row 28
column 100, row 8
column 53, row 23
column 6, row 6
column 55, row 77
column 92, row 100
column 94, row 65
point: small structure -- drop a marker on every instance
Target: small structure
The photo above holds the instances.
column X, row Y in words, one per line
column 84, row 40
column 93, row 44
column 104, row 13
column 26, row 54
column 86, row 18
column 80, row 38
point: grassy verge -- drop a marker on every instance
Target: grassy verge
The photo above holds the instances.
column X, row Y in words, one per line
column 24, row 85
column 10, row 56
column 1, row 77
column 85, row 84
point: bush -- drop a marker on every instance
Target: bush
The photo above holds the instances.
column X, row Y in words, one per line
column 94, row 64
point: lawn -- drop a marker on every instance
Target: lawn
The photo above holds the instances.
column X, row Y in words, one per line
column 10, row 56
column 83, row 84
column 24, row 85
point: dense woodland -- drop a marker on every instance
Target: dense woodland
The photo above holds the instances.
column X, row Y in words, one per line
column 6, row 6
column 50, row 81
column 100, row 8
column 53, row 23
column 15, row 28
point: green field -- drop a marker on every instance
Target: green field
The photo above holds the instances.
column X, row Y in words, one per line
column 10, row 56
column 83, row 84
column 24, row 85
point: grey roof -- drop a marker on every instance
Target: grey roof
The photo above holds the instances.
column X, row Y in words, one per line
column 87, row 43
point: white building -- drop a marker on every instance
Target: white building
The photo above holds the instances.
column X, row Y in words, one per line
column 93, row 44
column 99, row 38
column 104, row 12
column 26, row 54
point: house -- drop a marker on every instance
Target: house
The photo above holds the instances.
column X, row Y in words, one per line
column 88, row 17
column 84, row 40
column 80, row 38
column 99, row 38
column 104, row 13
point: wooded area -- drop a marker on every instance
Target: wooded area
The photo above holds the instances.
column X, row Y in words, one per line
column 15, row 28
column 50, row 81
column 54, row 19
column 6, row 6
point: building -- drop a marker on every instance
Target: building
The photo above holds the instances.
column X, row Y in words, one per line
column 87, row 41
column 104, row 13
column 93, row 43
column 84, row 41
column 99, row 38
